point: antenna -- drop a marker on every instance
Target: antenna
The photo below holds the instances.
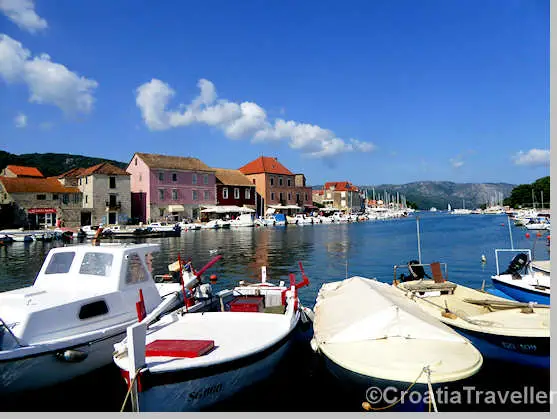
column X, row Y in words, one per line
column 418, row 230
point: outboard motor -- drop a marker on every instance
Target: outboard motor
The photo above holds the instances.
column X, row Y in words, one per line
column 417, row 272
column 518, row 263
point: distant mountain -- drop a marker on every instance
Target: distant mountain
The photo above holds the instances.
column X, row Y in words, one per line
column 52, row 164
column 427, row 194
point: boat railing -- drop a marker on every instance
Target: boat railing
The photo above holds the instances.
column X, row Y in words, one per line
column 527, row 251
column 3, row 328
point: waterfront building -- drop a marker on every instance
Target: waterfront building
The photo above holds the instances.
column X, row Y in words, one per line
column 106, row 193
column 37, row 202
column 341, row 195
column 169, row 188
column 276, row 186
column 234, row 188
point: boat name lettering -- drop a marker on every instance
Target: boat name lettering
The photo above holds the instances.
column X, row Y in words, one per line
column 523, row 347
column 199, row 394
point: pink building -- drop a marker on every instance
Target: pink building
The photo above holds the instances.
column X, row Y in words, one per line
column 165, row 188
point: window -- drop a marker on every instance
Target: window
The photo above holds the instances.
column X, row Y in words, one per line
column 253, row 180
column 289, row 182
column 80, row 179
column 343, row 194
column 136, row 161
column 194, row 179
column 194, row 195
column 98, row 308
column 247, row 194
column 55, row 196
column 174, row 177
column 140, row 177
column 280, row 196
column 225, row 193
column 306, row 196
column 174, row 194
column 206, row 195
column 280, row 180
column 96, row 264
column 205, row 179
column 60, row 263
column 161, row 212
column 66, row 198
column 328, row 195
column 289, row 196
column 86, row 199
column 76, row 198
column 272, row 180
column 297, row 197
column 86, row 180
column 112, row 182
column 161, row 176
column 236, row 193
column 41, row 197
column 135, row 271
column 272, row 196
column 161, row 194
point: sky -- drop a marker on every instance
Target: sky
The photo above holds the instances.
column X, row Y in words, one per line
column 372, row 92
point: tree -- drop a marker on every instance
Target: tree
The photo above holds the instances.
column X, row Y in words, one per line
column 521, row 195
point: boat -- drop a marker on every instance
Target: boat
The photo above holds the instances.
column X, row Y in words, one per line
column 82, row 301
column 198, row 356
column 369, row 334
column 500, row 328
column 210, row 225
column 520, row 281
column 243, row 220
column 538, row 224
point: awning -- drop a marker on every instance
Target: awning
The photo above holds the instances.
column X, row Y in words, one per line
column 223, row 209
column 175, row 208
column 41, row 211
column 284, row 207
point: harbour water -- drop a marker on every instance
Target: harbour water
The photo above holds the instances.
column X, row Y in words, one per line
column 329, row 253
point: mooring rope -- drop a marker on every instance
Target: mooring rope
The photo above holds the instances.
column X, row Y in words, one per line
column 130, row 389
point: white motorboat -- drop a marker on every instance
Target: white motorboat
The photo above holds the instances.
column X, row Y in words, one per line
column 191, row 360
column 211, row 225
column 243, row 220
column 82, row 301
column 163, row 227
column 500, row 328
column 371, row 335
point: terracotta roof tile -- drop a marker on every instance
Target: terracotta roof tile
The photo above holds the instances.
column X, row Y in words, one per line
column 103, row 169
column 159, row 161
column 265, row 165
column 341, row 186
column 232, row 177
column 72, row 173
column 24, row 171
column 22, row 185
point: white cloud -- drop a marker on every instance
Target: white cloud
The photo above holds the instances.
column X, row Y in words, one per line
column 20, row 120
column 22, row 13
column 237, row 120
column 48, row 82
column 534, row 157
column 456, row 162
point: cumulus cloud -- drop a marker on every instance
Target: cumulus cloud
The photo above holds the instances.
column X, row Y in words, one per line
column 237, row 120
column 533, row 157
column 22, row 13
column 456, row 162
column 20, row 120
column 48, row 82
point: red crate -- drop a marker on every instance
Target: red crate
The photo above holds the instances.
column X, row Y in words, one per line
column 179, row 348
column 252, row 304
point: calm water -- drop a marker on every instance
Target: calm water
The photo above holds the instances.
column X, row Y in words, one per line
column 329, row 253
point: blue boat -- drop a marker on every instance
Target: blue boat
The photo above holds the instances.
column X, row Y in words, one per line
column 519, row 281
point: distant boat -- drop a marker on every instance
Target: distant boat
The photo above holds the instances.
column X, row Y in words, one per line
column 433, row 209
column 449, row 207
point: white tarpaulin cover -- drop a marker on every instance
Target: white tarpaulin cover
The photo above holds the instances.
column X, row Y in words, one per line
column 222, row 209
column 360, row 309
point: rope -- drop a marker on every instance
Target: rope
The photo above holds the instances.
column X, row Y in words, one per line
column 431, row 394
column 130, row 389
column 367, row 406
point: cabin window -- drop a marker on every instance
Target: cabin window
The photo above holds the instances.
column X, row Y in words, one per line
column 174, row 177
column 96, row 264
column 98, row 308
column 247, row 194
column 60, row 263
column 205, row 179
column 41, row 197
column 236, row 193
column 206, row 195
column 194, row 179
column 135, row 271
column 225, row 193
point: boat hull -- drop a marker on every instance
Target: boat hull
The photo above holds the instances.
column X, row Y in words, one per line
column 528, row 351
column 47, row 368
column 200, row 388
column 521, row 294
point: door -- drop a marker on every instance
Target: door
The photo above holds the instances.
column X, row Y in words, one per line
column 85, row 218
column 112, row 217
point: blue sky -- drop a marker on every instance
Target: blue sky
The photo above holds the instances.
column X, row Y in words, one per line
column 384, row 91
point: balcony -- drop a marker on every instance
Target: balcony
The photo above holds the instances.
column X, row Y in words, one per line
column 111, row 206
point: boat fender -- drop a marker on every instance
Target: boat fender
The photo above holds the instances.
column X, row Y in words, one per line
column 314, row 346
column 71, row 355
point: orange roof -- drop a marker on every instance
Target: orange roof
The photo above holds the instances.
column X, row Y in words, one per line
column 341, row 186
column 75, row 172
column 24, row 171
column 103, row 169
column 265, row 165
column 22, row 185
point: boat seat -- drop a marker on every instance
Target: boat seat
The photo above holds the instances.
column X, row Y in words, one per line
column 446, row 287
column 275, row 309
column 179, row 348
